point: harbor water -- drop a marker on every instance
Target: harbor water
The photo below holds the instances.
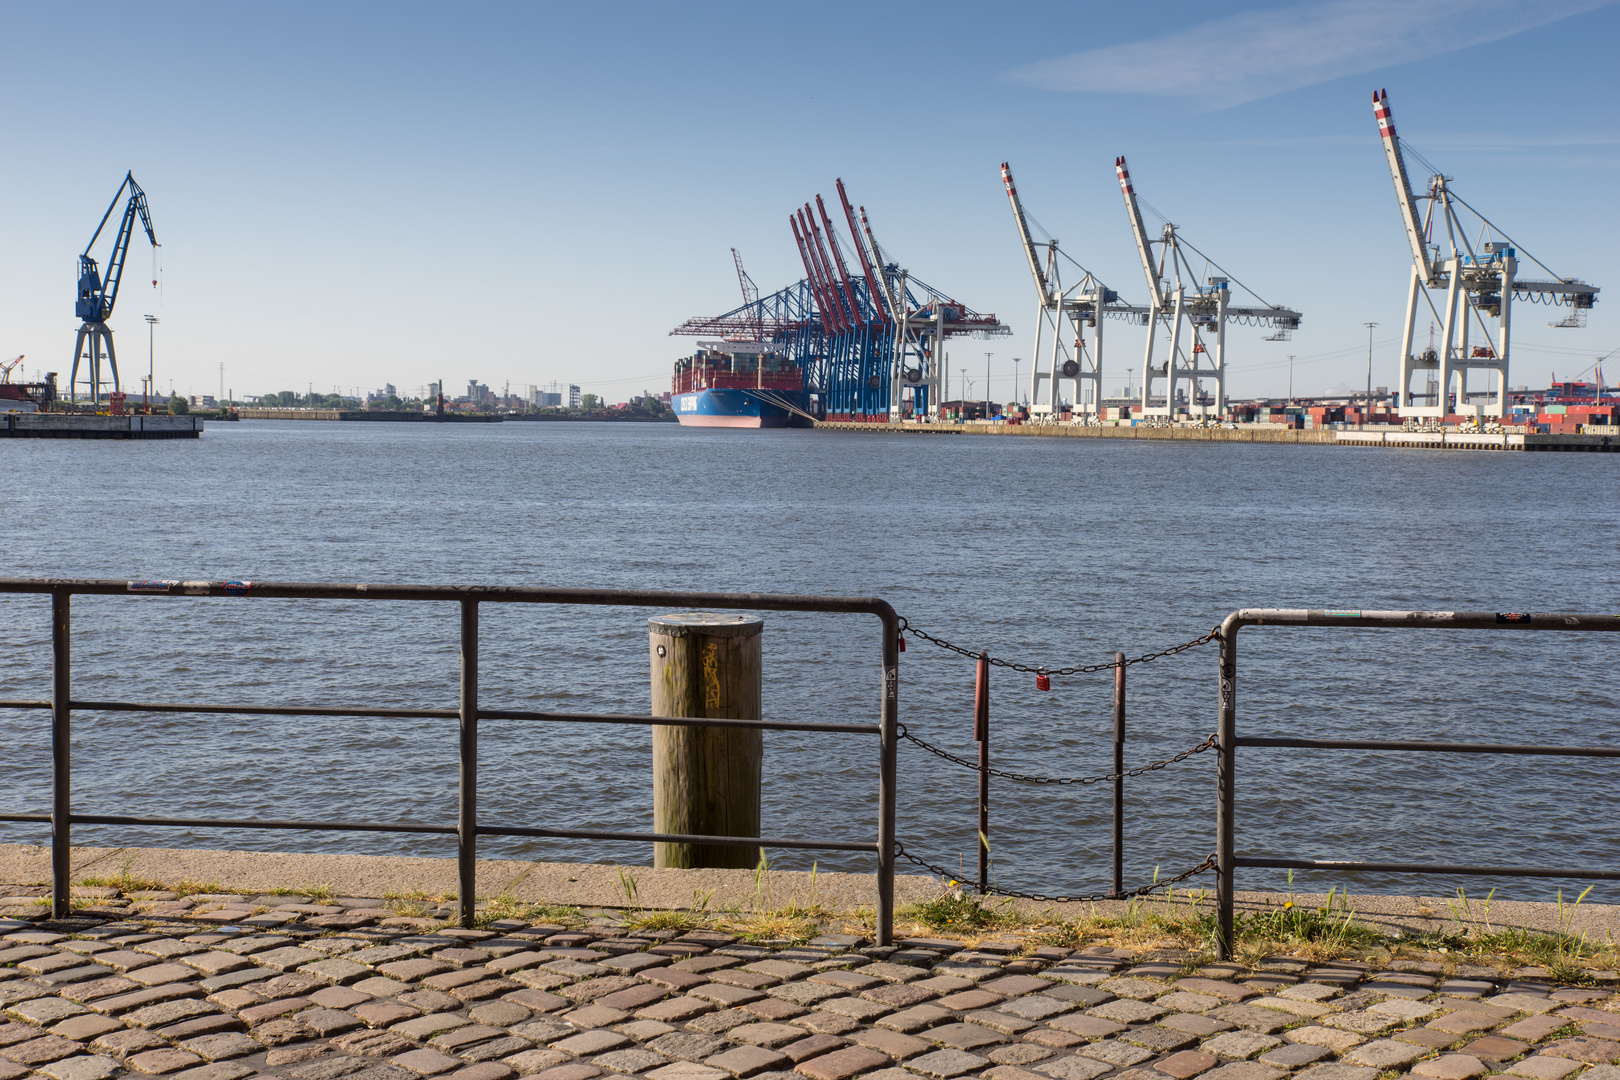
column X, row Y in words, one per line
column 1053, row 552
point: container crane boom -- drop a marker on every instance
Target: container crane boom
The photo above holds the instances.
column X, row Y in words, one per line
column 838, row 257
column 1143, row 245
column 1041, row 284
column 872, row 286
column 1403, row 190
column 819, row 249
column 809, row 269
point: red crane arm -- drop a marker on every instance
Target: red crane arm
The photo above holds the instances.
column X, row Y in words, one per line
column 838, row 257
column 820, row 250
column 860, row 249
column 824, row 300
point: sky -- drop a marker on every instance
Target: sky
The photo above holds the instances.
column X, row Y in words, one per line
column 355, row 194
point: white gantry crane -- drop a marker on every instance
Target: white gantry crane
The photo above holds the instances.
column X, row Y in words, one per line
column 1064, row 314
column 1176, row 297
column 1480, row 280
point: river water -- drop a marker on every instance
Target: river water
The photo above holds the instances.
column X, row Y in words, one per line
column 1051, row 551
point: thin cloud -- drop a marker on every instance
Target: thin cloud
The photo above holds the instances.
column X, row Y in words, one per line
column 1257, row 54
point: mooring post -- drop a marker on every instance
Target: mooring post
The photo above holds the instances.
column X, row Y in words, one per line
column 467, row 808
column 706, row 780
column 61, row 755
column 981, row 732
column 1226, row 791
column 1119, row 774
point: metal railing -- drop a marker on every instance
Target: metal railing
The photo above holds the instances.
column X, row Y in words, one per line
column 470, row 712
column 1227, row 859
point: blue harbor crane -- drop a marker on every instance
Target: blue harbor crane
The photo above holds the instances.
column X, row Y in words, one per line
column 98, row 295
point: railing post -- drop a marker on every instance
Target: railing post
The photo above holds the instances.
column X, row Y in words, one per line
column 1119, row 774
column 889, row 751
column 1226, row 790
column 61, row 754
column 981, row 732
column 467, row 809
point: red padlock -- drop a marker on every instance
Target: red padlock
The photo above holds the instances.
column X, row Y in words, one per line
column 902, row 643
column 1043, row 681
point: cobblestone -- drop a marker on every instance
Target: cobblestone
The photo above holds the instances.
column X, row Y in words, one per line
column 346, row 992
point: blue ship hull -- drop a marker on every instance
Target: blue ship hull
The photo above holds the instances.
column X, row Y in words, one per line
column 731, row 408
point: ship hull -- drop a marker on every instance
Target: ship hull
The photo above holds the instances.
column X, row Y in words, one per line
column 728, row 408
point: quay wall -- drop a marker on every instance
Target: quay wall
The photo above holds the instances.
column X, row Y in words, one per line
column 26, row 869
column 1257, row 433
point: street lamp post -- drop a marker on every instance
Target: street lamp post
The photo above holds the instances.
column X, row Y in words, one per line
column 1369, row 327
column 1015, row 379
column 1290, row 380
column 151, row 321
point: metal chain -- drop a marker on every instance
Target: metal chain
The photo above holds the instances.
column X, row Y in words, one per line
column 1023, row 778
column 942, row 872
column 907, row 628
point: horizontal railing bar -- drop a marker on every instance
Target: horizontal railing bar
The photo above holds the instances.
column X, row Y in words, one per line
column 1424, row 620
column 452, row 714
column 25, row 704
column 229, row 823
column 674, row 721
column 675, row 838
column 25, row 817
column 512, row 594
column 261, row 710
column 1435, row 747
column 1426, row 868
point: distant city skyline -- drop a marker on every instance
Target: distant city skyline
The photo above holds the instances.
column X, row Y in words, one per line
column 359, row 195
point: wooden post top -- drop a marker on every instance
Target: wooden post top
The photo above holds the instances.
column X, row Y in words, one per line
column 706, row 624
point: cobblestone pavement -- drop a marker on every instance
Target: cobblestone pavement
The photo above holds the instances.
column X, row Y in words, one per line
column 239, row 987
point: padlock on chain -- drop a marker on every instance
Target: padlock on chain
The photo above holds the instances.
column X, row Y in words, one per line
column 902, row 642
column 1043, row 681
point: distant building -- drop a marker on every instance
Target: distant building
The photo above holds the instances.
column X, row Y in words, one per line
column 205, row 401
column 573, row 396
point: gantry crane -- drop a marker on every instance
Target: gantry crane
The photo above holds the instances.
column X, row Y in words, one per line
column 1479, row 282
column 1083, row 304
column 97, row 295
column 1175, row 296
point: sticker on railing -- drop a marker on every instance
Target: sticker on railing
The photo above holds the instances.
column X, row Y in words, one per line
column 1342, row 614
column 1513, row 616
column 237, row 588
column 196, row 588
column 152, row 586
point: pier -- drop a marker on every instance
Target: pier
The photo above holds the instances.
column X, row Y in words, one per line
column 54, row 425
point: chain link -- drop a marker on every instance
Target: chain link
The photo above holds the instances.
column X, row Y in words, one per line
column 922, row 635
column 947, row 875
column 1023, row 778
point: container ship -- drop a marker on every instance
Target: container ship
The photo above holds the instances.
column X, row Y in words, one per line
column 742, row 384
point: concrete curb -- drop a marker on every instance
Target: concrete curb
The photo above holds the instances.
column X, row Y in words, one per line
column 600, row 885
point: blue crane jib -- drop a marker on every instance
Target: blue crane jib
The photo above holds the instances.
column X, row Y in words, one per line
column 96, row 297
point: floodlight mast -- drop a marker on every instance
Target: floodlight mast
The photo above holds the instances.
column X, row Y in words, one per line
column 1478, row 285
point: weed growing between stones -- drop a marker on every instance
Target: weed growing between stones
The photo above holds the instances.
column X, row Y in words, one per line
column 507, row 906
column 955, row 911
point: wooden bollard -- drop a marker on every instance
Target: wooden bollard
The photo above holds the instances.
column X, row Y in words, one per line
column 706, row 779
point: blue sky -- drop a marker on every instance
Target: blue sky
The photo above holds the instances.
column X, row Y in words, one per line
column 355, row 194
